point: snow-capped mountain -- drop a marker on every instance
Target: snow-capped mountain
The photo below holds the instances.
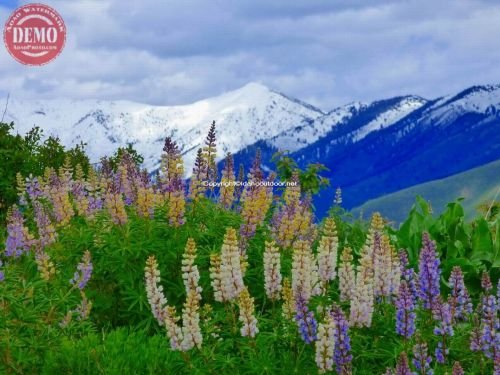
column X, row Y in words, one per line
column 378, row 148
column 310, row 131
column 371, row 148
column 243, row 117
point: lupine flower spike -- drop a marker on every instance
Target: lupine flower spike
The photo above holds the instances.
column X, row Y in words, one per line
column 272, row 271
column 231, row 274
column 405, row 314
column 156, row 298
column 191, row 332
column 256, row 200
column 403, row 367
column 342, row 356
column 45, row 265
column 459, row 301
column 306, row 321
column 216, row 277
column 288, row 300
column 327, row 254
column 227, row 189
column 442, row 315
column 19, row 240
column 362, row 300
column 84, row 271
column 457, row 369
column 196, row 185
column 347, row 278
column 325, row 345
column 429, row 273
column 247, row 314
column 209, row 153
column 302, row 267
column 422, row 360
column 190, row 273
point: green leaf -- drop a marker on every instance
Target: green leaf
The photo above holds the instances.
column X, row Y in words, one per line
column 482, row 244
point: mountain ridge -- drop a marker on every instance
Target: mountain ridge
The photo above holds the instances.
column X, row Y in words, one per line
column 371, row 148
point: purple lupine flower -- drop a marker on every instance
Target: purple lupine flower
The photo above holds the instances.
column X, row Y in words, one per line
column 308, row 326
column 460, row 301
column 486, row 282
column 403, row 367
column 421, row 360
column 84, row 271
column 342, row 353
column 457, row 369
column 442, row 315
column 19, row 240
column 2, row 274
column 429, row 273
column 95, row 202
column 490, row 323
column 407, row 273
column 83, row 309
column 405, row 315
column 33, row 188
column 475, row 337
column 126, row 175
column 498, row 292
column 46, row 231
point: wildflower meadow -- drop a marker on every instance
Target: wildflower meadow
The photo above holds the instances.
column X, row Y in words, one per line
column 110, row 269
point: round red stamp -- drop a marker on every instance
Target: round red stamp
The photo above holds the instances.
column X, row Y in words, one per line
column 34, row 34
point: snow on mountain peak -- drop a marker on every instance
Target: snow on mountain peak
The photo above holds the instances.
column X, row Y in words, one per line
column 243, row 116
column 476, row 99
column 387, row 118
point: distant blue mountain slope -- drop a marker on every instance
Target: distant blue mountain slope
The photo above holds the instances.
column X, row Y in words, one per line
column 372, row 152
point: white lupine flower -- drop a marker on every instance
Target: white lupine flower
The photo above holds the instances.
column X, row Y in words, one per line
column 272, row 274
column 156, row 298
column 325, row 345
column 231, row 274
column 302, row 269
column 247, row 317
column 327, row 253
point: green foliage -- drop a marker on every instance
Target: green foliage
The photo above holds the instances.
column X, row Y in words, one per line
column 310, row 179
column 130, row 151
column 472, row 246
column 121, row 335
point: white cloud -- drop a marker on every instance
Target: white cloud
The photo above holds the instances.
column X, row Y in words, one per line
column 325, row 52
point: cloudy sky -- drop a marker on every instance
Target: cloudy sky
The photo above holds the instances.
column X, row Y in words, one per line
column 326, row 52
